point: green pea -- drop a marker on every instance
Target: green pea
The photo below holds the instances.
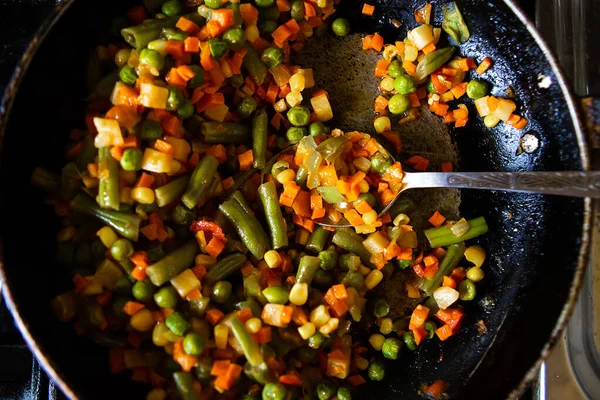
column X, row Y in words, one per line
column 142, row 291
column 128, row 75
column 193, row 344
column 297, row 10
column 368, row 197
column 299, row 115
column 325, row 390
column 132, row 159
column 117, row 307
column 121, row 250
column 152, row 58
column 269, row 13
column 341, row 27
column 322, row 279
column 166, row 297
column 151, row 130
column 317, row 128
column 316, row 340
column 349, row 261
column 430, row 327
column 404, row 84
column 235, row 38
column 203, row 368
column 391, row 348
column 295, row 133
column 186, row 109
column 183, row 215
column 155, row 253
column 403, row 264
column 467, row 290
column 279, row 167
column 409, row 340
column 381, row 162
column 398, row 104
column 395, row 69
column 264, row 3
column 177, row 323
column 276, row 294
column 274, row 391
column 198, row 78
column 376, row 371
column 344, row 393
column 354, row 279
column 382, row 308
column 123, row 285
column 172, row 8
column 221, row 292
column 267, row 27
column 214, row 4
column 476, row 89
column 217, row 47
column 175, row 98
column 246, row 107
column 329, row 259
column 272, row 56
column 236, row 80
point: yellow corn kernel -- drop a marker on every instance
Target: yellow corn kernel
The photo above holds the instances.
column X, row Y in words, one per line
column 158, row 334
column 361, row 363
column 221, row 336
column 364, row 271
column 319, row 316
column 382, row 124
column 363, row 186
column 66, row 234
column 376, row 340
column 107, row 236
column 410, row 53
column 370, row 217
column 475, row 274
column 293, row 98
column 302, row 236
column 142, row 195
column 386, row 326
column 204, row 259
column 330, row 326
column 299, row 294
column 373, row 279
column 252, row 33
column 273, row 259
column 88, row 181
column 297, row 82
column 253, row 325
column 387, row 84
column 286, row 176
column 307, row 330
column 491, row 120
column 412, row 292
column 170, row 232
column 476, row 255
column 201, row 239
column 280, row 106
column 156, row 394
column 142, row 321
column 226, row 68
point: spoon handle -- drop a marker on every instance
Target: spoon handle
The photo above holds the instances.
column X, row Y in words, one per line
column 565, row 183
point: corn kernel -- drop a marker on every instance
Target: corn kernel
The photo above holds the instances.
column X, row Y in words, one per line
column 143, row 195
column 302, row 236
column 253, row 325
column 376, row 340
column 89, row 181
column 204, row 259
column 307, row 330
column 280, row 106
column 387, row 84
column 272, row 258
column 370, row 217
column 475, row 254
column 363, row 186
column 66, row 234
column 330, row 326
column 142, row 320
column 382, row 124
column 475, row 274
column 158, row 334
column 491, row 120
column 373, row 279
column 299, row 294
column 410, row 53
column 107, row 236
column 286, row 176
column 361, row 363
column 293, row 98
column 221, row 336
column 386, row 326
column 364, row 271
column 156, row 394
column 252, row 33
column 319, row 316
column 297, row 82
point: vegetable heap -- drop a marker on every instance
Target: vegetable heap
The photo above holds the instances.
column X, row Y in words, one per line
column 185, row 263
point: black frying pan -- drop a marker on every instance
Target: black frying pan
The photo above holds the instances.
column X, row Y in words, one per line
column 536, row 244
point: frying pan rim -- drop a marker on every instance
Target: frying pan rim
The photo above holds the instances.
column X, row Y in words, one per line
column 52, row 369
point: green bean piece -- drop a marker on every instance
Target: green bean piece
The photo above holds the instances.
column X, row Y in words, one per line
column 152, row 58
column 221, row 292
column 128, row 75
column 301, row 176
column 110, row 340
column 108, row 190
column 183, row 216
column 398, row 104
column 203, row 368
column 317, row 239
column 46, row 180
column 249, row 347
column 166, row 297
column 341, row 27
column 199, row 306
column 273, row 391
column 443, row 236
column 325, row 390
column 317, row 128
column 454, row 254
column 349, row 261
column 329, row 259
column 247, row 226
column 331, row 195
column 322, row 279
column 296, row 133
column 316, row 340
column 175, row 98
column 140, row 35
column 246, row 107
column 431, row 88
column 177, row 323
column 174, row 34
column 276, row 294
column 172, row 8
column 131, row 160
column 297, row 10
column 430, row 327
column 255, row 67
column 184, row 382
column 193, row 344
column 376, row 371
column 269, row 13
column 344, row 239
column 143, row 291
column 173, row 263
column 127, row 225
column 453, row 23
column 151, row 130
column 186, row 109
column 267, row 194
column 252, row 305
column 225, row 132
column 217, row 47
column 344, row 393
column 224, row 268
column 239, row 197
column 380, row 163
column 382, row 308
column 166, row 194
column 267, row 27
column 409, row 340
column 395, row 69
column 199, row 181
column 467, row 290
column 264, row 3
column 272, row 56
column 121, row 249
column 391, row 348
column 198, row 78
column 307, row 269
column 235, row 38
column 433, row 61
column 214, row 4
column 353, row 278
column 476, row 89
column 87, row 154
column 260, row 124
column 404, row 84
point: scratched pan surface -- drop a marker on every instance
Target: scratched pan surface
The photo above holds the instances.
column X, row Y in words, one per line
column 535, row 244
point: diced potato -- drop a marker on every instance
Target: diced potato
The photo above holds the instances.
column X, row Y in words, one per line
column 156, row 161
column 153, row 96
column 181, row 148
column 185, row 282
column 109, row 133
column 322, row 107
column 422, row 36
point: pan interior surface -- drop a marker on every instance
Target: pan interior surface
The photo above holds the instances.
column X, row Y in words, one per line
column 533, row 244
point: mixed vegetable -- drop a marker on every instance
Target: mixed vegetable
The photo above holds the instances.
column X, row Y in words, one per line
column 195, row 256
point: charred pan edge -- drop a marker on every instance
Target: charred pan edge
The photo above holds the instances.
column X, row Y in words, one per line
column 5, row 106
column 567, row 310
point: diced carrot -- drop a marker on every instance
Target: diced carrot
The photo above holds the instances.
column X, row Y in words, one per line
column 173, row 78
column 447, row 167
column 512, row 119
column 244, row 314
column 309, row 10
column 206, row 59
column 191, row 44
column 410, row 67
column 420, row 334
column 418, row 317
column 163, row 146
column 281, row 34
column 215, row 246
column 318, row 213
column 380, row 104
column 449, row 282
column 422, row 164
column 449, row 118
column 116, row 360
column 199, row 271
column 430, row 48
column 381, row 68
column 339, row 291
column 458, row 274
column 271, row 95
column 356, row 380
column 414, row 100
column 290, row 379
column 104, row 298
column 353, row 217
column 187, row 26
column 264, row 335
column 484, row 65
column 368, row 9
column 444, row 332
column 460, row 113
column 377, row 42
column 461, row 122
column 185, row 72
column 459, row 90
column 175, row 48
column 521, row 124
column 137, row 15
column 220, row 367
column 442, row 109
column 290, row 191
column 436, row 389
column 293, row 26
column 116, row 152
column 245, row 160
column 387, row 196
column 132, row 307
column 150, row 231
column 228, row 183
column 301, row 204
column 437, row 219
column 213, row 316
column 463, row 64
